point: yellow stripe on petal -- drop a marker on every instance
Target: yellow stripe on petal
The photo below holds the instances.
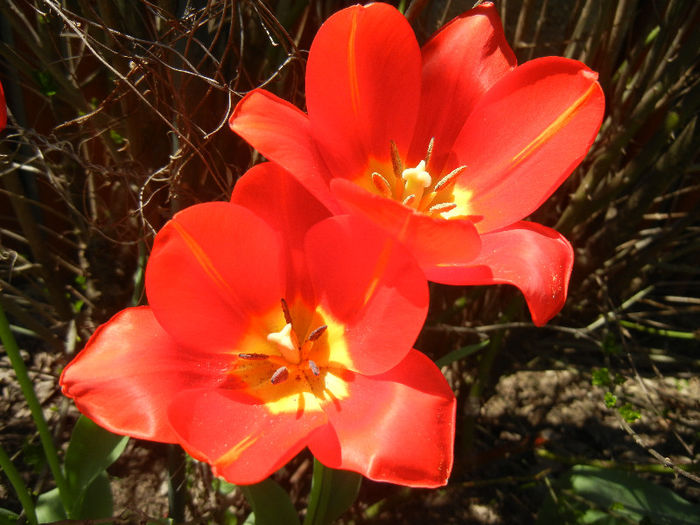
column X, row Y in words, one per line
column 556, row 126
column 352, row 65
column 235, row 452
column 202, row 258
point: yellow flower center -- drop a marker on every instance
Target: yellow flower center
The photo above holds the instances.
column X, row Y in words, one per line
column 418, row 190
column 294, row 368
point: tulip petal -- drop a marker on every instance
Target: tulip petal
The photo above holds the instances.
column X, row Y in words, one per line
column 363, row 86
column 526, row 135
column 371, row 286
column 431, row 241
column 282, row 133
column 275, row 196
column 536, row 259
column 129, row 372
column 460, row 63
column 241, row 439
column 396, row 427
column 213, row 268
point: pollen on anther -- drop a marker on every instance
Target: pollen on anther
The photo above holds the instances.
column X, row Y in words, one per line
column 396, row 162
column 254, row 356
column 442, row 207
column 408, row 200
column 381, row 184
column 318, row 332
column 314, row 368
column 285, row 311
column 280, row 375
column 449, row 178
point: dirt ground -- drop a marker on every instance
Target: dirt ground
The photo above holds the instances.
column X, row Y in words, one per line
column 533, row 425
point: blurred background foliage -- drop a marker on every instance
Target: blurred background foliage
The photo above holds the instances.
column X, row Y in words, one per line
column 118, row 118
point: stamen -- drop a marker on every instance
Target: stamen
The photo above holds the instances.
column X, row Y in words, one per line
column 285, row 311
column 381, row 184
column 396, row 161
column 314, row 368
column 430, row 150
column 280, row 375
column 318, row 332
column 442, row 207
column 254, row 356
column 449, row 178
column 408, row 200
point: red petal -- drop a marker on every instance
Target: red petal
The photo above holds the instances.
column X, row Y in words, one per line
column 536, row 259
column 526, row 136
column 282, row 133
column 397, row 427
column 242, row 440
column 276, row 197
column 129, row 372
column 213, row 267
column 363, row 86
column 460, row 63
column 372, row 286
column 432, row 242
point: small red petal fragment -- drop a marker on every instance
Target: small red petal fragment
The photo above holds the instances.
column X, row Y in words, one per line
column 280, row 375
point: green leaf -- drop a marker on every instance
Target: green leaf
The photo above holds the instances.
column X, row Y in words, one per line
column 601, row 377
column 270, row 503
column 332, row 493
column 461, row 353
column 7, row 517
column 49, row 507
column 90, row 451
column 604, row 496
column 97, row 502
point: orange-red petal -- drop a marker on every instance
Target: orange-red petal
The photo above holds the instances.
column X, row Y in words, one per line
column 460, row 63
column 362, row 86
column 282, row 133
column 129, row 372
column 275, row 196
column 526, row 135
column 214, row 266
column 240, row 438
column 370, row 285
column 396, row 427
column 536, row 259
column 431, row 241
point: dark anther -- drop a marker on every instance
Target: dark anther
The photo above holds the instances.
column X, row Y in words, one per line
column 314, row 367
column 253, row 356
column 280, row 375
column 318, row 332
column 285, row 311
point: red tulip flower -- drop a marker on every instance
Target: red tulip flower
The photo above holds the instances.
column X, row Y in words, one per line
column 273, row 327
column 447, row 147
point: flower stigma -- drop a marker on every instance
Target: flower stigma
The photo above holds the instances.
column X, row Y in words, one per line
column 416, row 188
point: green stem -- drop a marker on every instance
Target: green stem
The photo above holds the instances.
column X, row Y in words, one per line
column 25, row 384
column 319, row 496
column 20, row 488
